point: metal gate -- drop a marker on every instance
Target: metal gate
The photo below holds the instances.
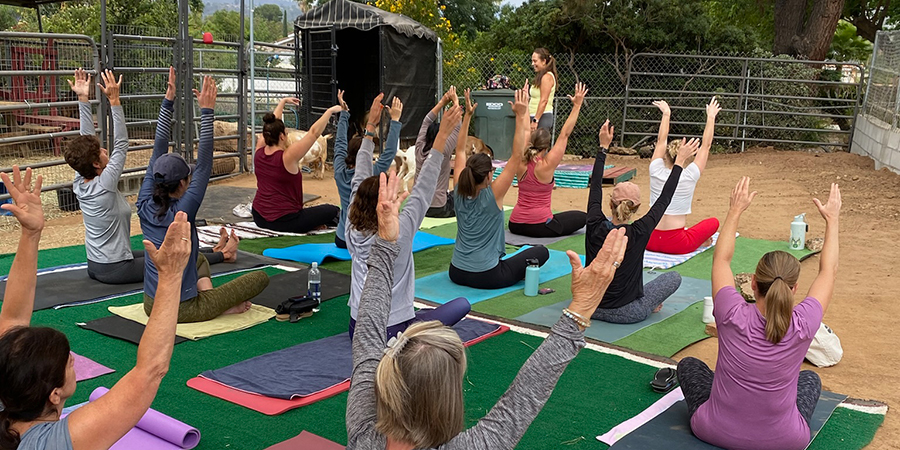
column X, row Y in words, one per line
column 319, row 72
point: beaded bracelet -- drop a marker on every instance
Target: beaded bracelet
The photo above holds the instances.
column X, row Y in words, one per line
column 577, row 318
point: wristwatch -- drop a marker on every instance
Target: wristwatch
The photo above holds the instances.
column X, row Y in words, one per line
column 369, row 134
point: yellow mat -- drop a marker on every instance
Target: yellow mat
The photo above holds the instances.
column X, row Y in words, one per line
column 199, row 330
column 431, row 222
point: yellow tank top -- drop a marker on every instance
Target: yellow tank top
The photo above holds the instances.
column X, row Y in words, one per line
column 535, row 93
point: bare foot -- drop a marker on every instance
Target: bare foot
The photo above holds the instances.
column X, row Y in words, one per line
column 658, row 308
column 223, row 240
column 239, row 309
column 231, row 248
column 707, row 242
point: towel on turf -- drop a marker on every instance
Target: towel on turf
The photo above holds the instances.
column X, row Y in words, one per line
column 209, row 234
column 654, row 260
column 199, row 330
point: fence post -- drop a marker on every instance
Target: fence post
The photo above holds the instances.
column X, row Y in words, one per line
column 744, row 85
column 625, row 105
column 242, row 98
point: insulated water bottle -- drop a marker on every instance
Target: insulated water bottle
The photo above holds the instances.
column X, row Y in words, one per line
column 799, row 227
column 708, row 310
column 314, row 283
column 532, row 277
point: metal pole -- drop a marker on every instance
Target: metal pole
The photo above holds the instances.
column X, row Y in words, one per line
column 37, row 10
column 242, row 98
column 104, row 62
column 252, row 51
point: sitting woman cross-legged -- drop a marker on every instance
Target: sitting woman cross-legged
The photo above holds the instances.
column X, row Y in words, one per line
column 170, row 186
column 407, row 392
column 363, row 227
column 532, row 215
column 671, row 234
column 628, row 300
column 37, row 370
column 480, row 239
column 758, row 398
column 278, row 204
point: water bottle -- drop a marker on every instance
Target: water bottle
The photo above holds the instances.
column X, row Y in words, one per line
column 532, row 277
column 708, row 310
column 314, row 283
column 799, row 227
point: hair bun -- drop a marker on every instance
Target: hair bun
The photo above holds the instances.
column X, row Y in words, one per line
column 269, row 118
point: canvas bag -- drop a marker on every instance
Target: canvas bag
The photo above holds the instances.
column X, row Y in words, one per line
column 825, row 349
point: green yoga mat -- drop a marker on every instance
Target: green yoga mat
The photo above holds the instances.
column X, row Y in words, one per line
column 61, row 256
column 747, row 253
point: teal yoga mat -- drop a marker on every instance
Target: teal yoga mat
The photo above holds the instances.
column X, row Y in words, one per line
column 438, row 287
column 317, row 253
column 691, row 291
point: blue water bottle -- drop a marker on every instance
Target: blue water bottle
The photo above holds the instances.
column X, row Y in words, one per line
column 532, row 277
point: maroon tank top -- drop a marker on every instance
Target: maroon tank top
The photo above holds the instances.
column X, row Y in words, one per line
column 278, row 192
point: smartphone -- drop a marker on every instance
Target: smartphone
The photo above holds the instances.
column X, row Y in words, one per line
column 545, row 291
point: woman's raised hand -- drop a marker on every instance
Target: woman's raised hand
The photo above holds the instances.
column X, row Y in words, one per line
column 686, row 150
column 26, row 204
column 606, row 134
column 663, row 107
column 580, row 91
column 741, row 197
column 170, row 84
column 470, row 107
column 713, row 108
column 589, row 283
column 110, row 86
column 389, row 201
column 375, row 110
column 831, row 210
column 396, row 109
column 341, row 100
column 206, row 98
column 296, row 101
column 520, row 106
column 82, row 85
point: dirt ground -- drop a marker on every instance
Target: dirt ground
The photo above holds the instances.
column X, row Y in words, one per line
column 863, row 309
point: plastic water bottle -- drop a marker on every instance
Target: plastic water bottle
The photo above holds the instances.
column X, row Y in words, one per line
column 314, row 283
column 799, row 227
column 532, row 277
column 708, row 310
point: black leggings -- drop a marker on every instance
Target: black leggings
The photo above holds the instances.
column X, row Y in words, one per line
column 305, row 220
column 562, row 224
column 442, row 212
column 132, row 270
column 696, row 381
column 506, row 273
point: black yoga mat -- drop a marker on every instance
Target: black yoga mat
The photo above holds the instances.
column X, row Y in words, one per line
column 120, row 328
column 672, row 428
column 75, row 287
column 219, row 202
column 293, row 284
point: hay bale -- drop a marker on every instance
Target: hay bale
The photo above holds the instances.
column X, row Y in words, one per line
column 222, row 128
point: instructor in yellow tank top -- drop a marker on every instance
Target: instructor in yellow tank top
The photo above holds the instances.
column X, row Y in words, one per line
column 542, row 90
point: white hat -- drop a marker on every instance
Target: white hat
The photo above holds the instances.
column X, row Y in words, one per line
column 825, row 349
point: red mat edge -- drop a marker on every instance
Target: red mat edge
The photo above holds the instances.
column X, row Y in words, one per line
column 271, row 406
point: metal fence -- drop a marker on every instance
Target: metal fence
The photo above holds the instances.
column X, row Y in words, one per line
column 877, row 132
column 766, row 101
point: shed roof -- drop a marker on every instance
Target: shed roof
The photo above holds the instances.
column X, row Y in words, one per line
column 348, row 14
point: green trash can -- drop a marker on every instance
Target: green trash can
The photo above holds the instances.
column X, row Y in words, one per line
column 495, row 122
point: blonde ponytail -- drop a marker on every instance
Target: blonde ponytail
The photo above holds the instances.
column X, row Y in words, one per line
column 624, row 210
column 540, row 141
column 776, row 274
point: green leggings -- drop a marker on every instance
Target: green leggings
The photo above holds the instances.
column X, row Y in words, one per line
column 208, row 305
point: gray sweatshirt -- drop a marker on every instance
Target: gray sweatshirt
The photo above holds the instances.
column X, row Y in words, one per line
column 358, row 243
column 443, row 181
column 503, row 426
column 107, row 216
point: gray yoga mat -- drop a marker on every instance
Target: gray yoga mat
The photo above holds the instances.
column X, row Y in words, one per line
column 120, row 328
column 219, row 202
column 672, row 429
column 518, row 240
column 691, row 291
column 310, row 367
column 293, row 284
column 75, row 287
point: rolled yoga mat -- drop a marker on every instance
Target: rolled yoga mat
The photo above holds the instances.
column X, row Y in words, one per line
column 155, row 431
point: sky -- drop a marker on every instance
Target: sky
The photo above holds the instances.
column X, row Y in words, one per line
column 515, row 3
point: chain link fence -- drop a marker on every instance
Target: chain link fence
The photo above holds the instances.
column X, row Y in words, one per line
column 878, row 124
column 766, row 101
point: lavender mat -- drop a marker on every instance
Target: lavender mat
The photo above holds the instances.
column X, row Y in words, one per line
column 86, row 368
column 155, row 431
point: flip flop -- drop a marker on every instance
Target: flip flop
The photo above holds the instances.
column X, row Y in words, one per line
column 665, row 380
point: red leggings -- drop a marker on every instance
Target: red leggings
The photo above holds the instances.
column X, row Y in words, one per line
column 679, row 242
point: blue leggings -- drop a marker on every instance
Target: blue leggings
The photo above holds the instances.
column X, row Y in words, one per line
column 448, row 314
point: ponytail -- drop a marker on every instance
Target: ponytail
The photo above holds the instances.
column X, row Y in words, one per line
column 776, row 274
column 477, row 168
column 9, row 438
column 624, row 210
column 540, row 141
column 162, row 197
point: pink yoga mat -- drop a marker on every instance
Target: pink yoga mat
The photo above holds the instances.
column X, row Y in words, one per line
column 155, row 431
column 85, row 368
column 307, row 441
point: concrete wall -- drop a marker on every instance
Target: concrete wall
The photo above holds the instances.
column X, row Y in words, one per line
column 878, row 141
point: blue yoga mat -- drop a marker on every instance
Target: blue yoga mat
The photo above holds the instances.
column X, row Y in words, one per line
column 438, row 287
column 311, row 367
column 672, row 428
column 691, row 291
column 317, row 253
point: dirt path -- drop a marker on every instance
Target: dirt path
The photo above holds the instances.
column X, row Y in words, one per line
column 864, row 308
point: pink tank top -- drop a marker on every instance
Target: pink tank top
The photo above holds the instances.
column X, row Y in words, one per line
column 533, row 205
column 278, row 192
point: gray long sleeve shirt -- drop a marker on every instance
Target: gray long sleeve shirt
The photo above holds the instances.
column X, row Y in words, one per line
column 443, row 181
column 107, row 216
column 359, row 243
column 503, row 426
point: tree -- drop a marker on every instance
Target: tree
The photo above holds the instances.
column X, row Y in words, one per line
column 9, row 17
column 269, row 12
column 470, row 16
column 427, row 12
column 847, row 45
column 805, row 31
column 870, row 16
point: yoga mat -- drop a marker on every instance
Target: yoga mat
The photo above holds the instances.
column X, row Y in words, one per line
column 199, row 330
column 154, row 431
column 318, row 380
column 672, row 428
column 518, row 240
column 656, row 260
column 120, row 328
column 746, row 256
column 292, row 284
column 307, row 441
column 209, row 234
column 431, row 222
column 690, row 292
column 671, row 335
column 220, row 200
column 438, row 287
column 86, row 368
column 317, row 253
column 58, row 289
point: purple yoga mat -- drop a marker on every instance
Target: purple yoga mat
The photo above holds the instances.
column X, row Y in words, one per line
column 155, row 431
column 85, row 368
